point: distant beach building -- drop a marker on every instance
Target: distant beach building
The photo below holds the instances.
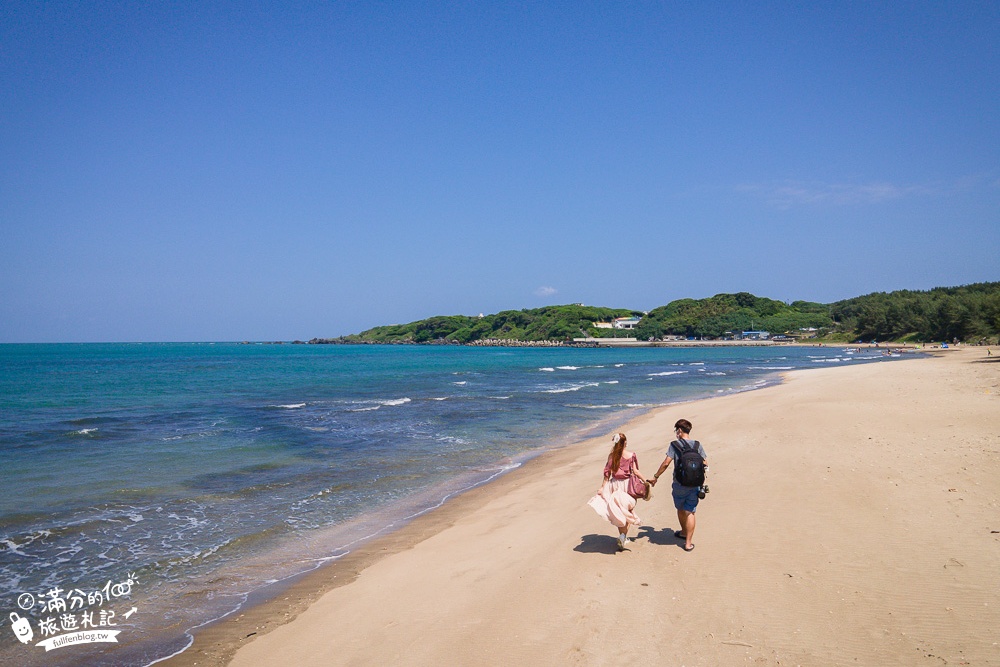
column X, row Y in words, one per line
column 619, row 323
column 625, row 322
column 755, row 335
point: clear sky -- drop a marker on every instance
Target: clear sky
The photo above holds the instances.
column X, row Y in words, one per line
column 272, row 171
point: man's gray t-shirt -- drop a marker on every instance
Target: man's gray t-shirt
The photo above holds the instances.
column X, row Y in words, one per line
column 674, row 452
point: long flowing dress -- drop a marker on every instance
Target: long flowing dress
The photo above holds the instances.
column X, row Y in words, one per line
column 613, row 502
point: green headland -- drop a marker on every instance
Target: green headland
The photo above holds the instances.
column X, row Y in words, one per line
column 968, row 314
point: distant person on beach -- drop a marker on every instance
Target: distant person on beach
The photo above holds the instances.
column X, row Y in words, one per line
column 612, row 501
column 686, row 494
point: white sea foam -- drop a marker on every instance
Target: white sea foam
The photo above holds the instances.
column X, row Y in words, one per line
column 771, row 368
column 653, row 375
column 547, row 369
column 577, row 387
column 463, row 382
column 290, row 406
column 568, row 368
column 453, row 439
column 611, row 382
column 13, row 547
column 619, row 365
column 85, row 431
column 379, row 404
column 395, row 401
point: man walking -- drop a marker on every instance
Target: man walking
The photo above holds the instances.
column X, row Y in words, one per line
column 689, row 477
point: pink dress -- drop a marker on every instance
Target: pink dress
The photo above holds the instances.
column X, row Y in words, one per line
column 613, row 502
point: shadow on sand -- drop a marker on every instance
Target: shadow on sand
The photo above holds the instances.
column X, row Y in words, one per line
column 608, row 544
column 664, row 536
column 597, row 544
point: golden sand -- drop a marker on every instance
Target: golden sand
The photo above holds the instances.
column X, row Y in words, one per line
column 854, row 519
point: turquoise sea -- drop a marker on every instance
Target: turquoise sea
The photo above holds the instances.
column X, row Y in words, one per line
column 150, row 488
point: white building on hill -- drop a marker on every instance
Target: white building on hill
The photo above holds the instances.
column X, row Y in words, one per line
column 625, row 322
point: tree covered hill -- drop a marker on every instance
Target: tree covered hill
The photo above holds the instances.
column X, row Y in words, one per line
column 537, row 324
column 968, row 313
column 725, row 314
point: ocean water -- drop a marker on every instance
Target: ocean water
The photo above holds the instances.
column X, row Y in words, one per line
column 150, row 488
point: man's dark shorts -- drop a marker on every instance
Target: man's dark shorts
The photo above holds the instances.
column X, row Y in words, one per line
column 685, row 497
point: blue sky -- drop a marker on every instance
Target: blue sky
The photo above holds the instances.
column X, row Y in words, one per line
column 272, row 171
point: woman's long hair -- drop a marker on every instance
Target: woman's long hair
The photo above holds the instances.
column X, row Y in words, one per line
column 616, row 450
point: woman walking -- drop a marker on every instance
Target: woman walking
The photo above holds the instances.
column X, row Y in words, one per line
column 613, row 501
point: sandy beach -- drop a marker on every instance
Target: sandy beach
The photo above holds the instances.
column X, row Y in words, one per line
column 853, row 519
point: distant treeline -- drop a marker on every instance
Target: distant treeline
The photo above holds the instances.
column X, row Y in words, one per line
column 970, row 313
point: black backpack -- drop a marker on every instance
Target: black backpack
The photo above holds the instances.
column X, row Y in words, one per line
column 690, row 470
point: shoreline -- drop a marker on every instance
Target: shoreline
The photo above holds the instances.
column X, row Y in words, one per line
column 304, row 601
column 282, row 602
column 216, row 641
column 196, row 591
column 615, row 342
